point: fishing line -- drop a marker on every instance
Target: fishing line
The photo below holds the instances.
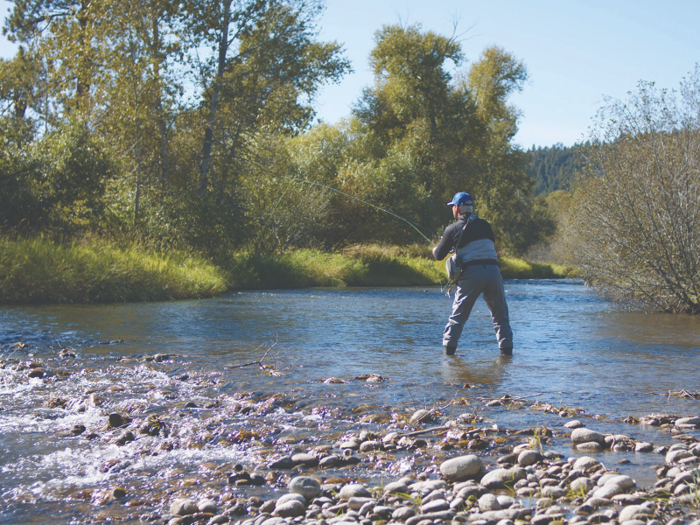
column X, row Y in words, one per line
column 412, row 224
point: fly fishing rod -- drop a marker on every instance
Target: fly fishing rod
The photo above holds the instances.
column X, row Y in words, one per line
column 404, row 219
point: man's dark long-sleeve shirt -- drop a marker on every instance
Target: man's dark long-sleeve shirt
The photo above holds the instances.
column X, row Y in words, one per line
column 478, row 229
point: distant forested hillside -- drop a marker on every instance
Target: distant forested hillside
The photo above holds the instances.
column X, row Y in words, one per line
column 553, row 167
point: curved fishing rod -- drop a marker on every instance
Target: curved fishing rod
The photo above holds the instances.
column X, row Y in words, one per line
column 412, row 224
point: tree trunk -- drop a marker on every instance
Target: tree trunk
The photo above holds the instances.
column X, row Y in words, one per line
column 209, row 131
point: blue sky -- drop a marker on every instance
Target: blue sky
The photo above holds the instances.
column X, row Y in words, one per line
column 576, row 52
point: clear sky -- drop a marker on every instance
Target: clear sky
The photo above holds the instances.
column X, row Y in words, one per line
column 576, row 51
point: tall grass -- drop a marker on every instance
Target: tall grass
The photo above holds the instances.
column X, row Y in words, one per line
column 39, row 270
column 364, row 266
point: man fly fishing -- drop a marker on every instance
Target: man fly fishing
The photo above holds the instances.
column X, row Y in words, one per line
column 472, row 240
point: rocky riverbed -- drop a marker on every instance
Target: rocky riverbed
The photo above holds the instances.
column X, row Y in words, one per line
column 160, row 439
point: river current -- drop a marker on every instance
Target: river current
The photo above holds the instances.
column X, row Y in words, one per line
column 573, row 349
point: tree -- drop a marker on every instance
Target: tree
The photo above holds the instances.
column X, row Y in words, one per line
column 635, row 221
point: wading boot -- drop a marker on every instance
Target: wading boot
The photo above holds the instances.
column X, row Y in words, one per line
column 450, row 350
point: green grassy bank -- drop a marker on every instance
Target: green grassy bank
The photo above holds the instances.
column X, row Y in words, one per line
column 42, row 271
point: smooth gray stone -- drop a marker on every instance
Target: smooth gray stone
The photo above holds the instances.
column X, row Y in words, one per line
column 461, row 468
column 582, row 485
column 183, row 507
column 586, row 435
column 354, row 490
column 306, row 486
column 396, row 487
column 488, row 502
column 528, row 457
column 585, row 462
column 503, row 477
column 434, row 506
column 290, row 508
column 624, row 482
column 403, row 513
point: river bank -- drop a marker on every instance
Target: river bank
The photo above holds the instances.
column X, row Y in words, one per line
column 157, row 439
column 42, row 271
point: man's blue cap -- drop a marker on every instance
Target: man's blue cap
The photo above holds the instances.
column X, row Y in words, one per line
column 461, row 199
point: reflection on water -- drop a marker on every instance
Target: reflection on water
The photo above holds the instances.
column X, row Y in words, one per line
column 570, row 343
column 572, row 348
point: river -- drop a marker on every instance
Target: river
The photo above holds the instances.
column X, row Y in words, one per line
column 573, row 349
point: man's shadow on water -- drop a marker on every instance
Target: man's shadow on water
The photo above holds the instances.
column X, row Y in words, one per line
column 475, row 367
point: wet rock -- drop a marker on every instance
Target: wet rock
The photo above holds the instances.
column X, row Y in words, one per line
column 695, row 421
column 206, row 506
column 585, row 435
column 183, row 507
column 421, row 416
column 126, row 437
column 354, row 490
column 573, row 424
column 304, row 459
column 116, row 420
column 674, row 456
column 306, row 486
column 330, row 461
column 589, row 446
column 643, row 447
column 77, row 430
column 488, row 502
column 528, row 457
column 461, row 468
column 369, row 446
column 283, row 463
column 503, row 477
column 118, row 493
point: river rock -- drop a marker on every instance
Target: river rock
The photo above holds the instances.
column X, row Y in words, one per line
column 488, row 502
column 421, row 416
column 688, row 421
column 358, row 503
column 573, row 424
column 396, row 487
column 624, row 482
column 353, row 490
column 608, row 491
column 461, row 468
column 585, row 462
column 528, row 457
column 674, row 456
column 582, row 485
column 585, row 435
column 436, row 505
column 643, row 447
column 503, row 477
column 289, row 508
column 304, row 459
column 589, row 446
column 207, row 506
column 183, row 507
column 330, row 461
column 369, row 446
column 403, row 513
column 306, row 486
column 291, row 497
column 553, row 492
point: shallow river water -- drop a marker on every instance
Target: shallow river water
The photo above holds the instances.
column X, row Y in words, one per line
column 573, row 350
